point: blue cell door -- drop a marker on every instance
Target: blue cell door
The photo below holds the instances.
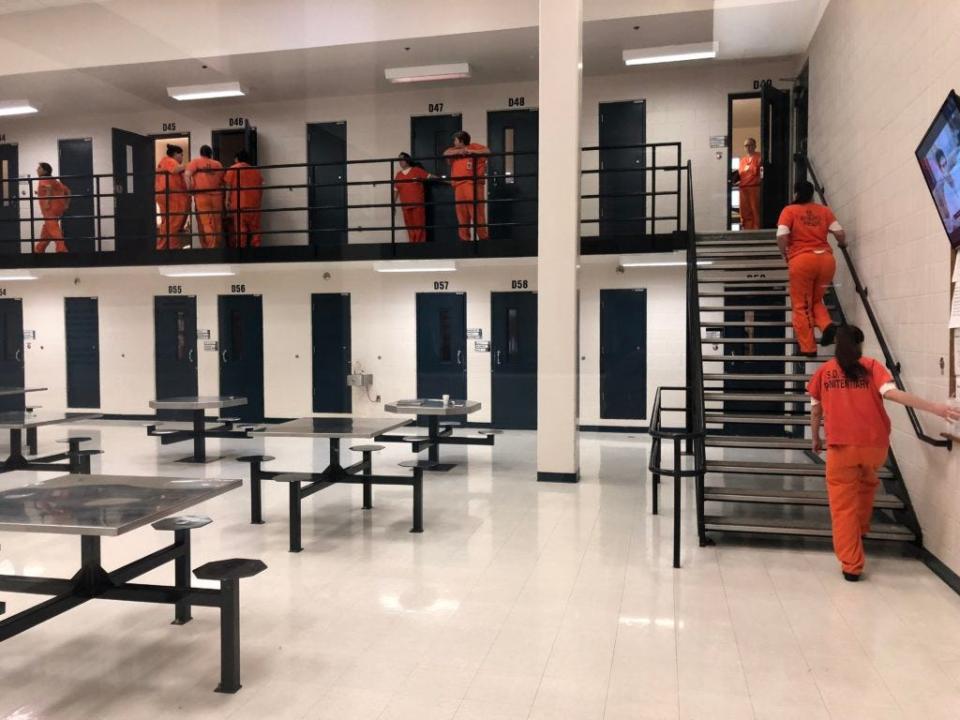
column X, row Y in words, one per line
column 623, row 354
column 513, row 364
column 9, row 200
column 11, row 352
column 442, row 345
column 175, row 350
column 332, row 352
column 83, row 352
column 430, row 135
column 240, row 320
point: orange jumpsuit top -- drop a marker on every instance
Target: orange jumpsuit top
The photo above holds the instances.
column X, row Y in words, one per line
column 807, row 225
column 166, row 169
column 750, row 170
column 54, row 197
column 853, row 411
column 249, row 181
column 206, row 174
column 462, row 166
column 409, row 185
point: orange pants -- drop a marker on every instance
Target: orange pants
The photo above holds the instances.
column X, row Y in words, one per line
column 810, row 274
column 851, row 484
column 209, row 218
column 173, row 218
column 415, row 217
column 750, row 207
column 248, row 222
column 51, row 231
column 465, row 195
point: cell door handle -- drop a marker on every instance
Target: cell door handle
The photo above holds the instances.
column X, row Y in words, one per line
column 460, row 358
column 19, row 355
column 499, row 357
column 190, row 355
column 223, row 356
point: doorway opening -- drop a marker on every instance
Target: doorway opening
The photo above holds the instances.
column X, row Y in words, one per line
column 743, row 122
column 182, row 141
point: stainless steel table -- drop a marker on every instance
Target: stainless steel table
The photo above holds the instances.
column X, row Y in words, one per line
column 198, row 405
column 96, row 506
column 20, row 421
column 31, row 432
column 434, row 410
column 302, row 485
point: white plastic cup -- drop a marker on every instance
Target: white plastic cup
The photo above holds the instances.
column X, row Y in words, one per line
column 446, row 400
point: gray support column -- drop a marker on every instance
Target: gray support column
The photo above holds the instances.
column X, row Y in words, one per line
column 558, row 215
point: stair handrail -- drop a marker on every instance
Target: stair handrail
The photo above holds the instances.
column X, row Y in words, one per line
column 892, row 364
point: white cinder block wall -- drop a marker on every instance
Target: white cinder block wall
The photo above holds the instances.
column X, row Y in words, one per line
column 383, row 328
column 878, row 73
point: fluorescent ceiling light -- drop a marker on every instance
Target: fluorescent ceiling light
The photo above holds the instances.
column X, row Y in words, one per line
column 671, row 53
column 16, row 107
column 192, row 271
column 427, row 73
column 415, row 266
column 6, row 275
column 206, row 92
column 635, row 261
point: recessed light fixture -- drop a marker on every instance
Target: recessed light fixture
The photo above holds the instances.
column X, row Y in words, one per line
column 195, row 271
column 206, row 92
column 671, row 53
column 8, row 275
column 415, row 266
column 427, row 73
column 16, row 107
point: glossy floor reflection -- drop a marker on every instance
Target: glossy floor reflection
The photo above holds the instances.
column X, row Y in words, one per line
column 521, row 600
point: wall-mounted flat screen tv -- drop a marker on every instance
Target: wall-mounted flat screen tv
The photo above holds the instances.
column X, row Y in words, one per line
column 939, row 157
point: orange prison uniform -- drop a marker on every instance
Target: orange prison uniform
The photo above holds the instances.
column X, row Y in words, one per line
column 207, row 177
column 466, row 190
column 750, row 192
column 410, row 195
column 858, row 437
column 174, row 204
column 54, row 199
column 811, row 267
column 244, row 197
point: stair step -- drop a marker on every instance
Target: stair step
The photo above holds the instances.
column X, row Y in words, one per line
column 758, row 284
column 738, row 236
column 777, row 377
column 773, row 526
column 763, row 358
column 741, row 264
column 760, row 249
column 744, row 323
column 773, row 496
column 741, row 293
column 801, row 469
column 744, row 308
column 754, row 397
column 747, row 341
column 756, row 442
column 744, row 419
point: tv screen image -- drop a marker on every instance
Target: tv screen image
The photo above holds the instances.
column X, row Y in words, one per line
column 939, row 157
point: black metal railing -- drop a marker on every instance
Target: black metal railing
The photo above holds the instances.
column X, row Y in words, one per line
column 892, row 364
column 679, row 436
column 296, row 205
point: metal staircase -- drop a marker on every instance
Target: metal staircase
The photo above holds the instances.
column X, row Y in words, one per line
column 759, row 475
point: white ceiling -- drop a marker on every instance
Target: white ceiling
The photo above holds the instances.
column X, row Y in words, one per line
column 14, row 6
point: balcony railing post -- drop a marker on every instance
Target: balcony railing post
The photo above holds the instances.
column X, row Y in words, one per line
column 33, row 230
column 677, row 488
column 679, row 183
column 476, row 191
column 393, row 207
column 99, row 213
column 653, row 196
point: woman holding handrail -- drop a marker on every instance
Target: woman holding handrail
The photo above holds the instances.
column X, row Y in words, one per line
column 847, row 394
column 409, row 196
column 802, row 238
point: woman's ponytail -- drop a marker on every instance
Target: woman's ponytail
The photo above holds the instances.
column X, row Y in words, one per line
column 848, row 352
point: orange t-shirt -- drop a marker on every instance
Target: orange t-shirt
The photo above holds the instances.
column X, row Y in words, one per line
column 206, row 173
column 461, row 166
column 409, row 185
column 750, row 170
column 249, row 180
column 808, row 225
column 165, row 169
column 54, row 197
column 853, row 411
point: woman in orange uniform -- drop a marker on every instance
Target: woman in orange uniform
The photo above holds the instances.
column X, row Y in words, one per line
column 409, row 195
column 468, row 175
column 172, row 199
column 750, row 176
column 205, row 176
column 54, row 198
column 244, row 197
column 802, row 237
column 847, row 392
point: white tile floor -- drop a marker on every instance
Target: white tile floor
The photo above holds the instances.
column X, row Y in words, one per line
column 521, row 600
